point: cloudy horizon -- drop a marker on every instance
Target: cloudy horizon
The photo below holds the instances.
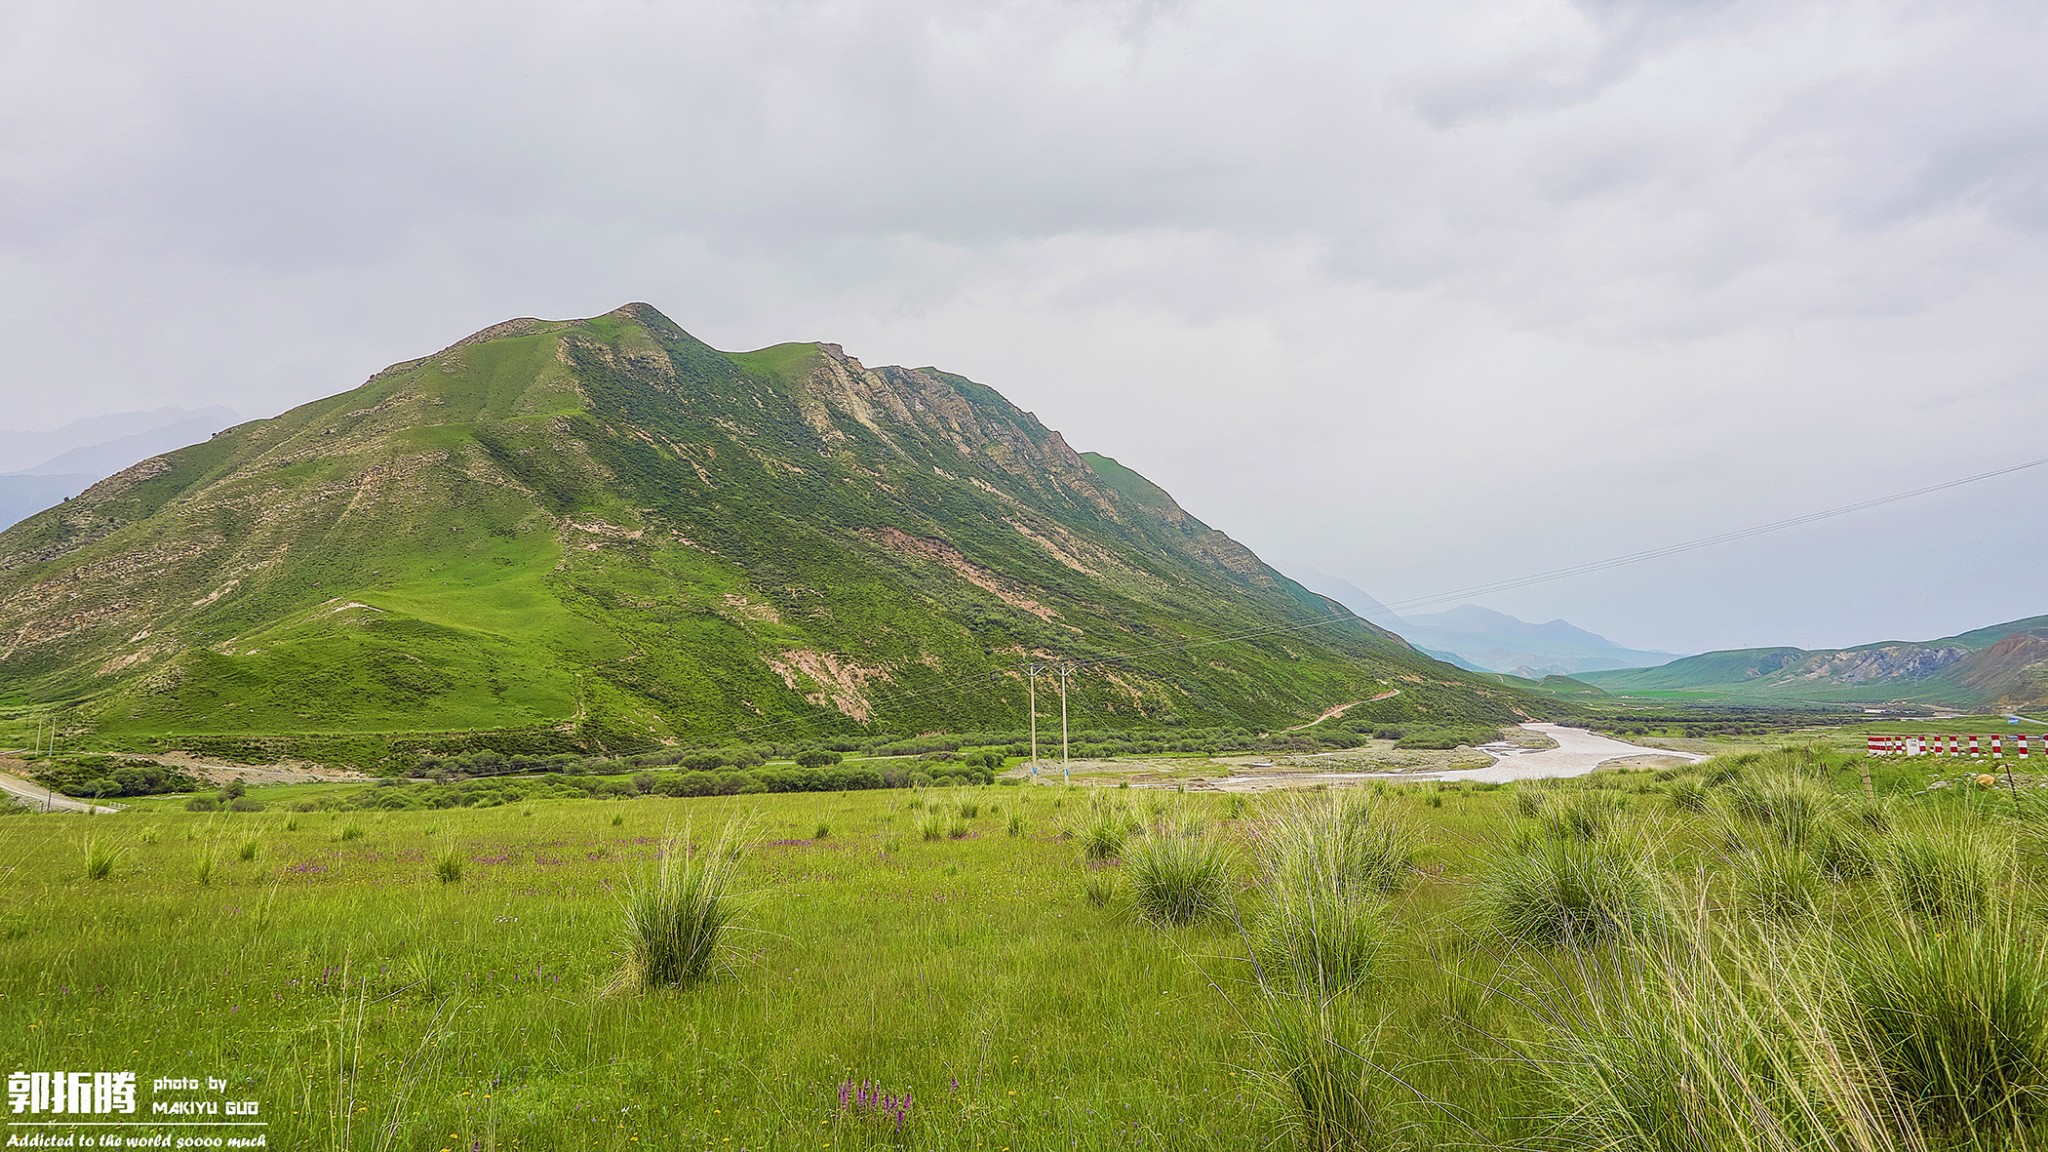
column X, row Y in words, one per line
column 1419, row 298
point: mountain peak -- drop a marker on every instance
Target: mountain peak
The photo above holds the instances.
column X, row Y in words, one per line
column 605, row 533
column 643, row 314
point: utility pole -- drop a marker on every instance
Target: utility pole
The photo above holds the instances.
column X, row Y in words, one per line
column 1066, row 670
column 1032, row 671
column 1031, row 687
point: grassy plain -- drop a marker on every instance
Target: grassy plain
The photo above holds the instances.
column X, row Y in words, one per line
column 327, row 963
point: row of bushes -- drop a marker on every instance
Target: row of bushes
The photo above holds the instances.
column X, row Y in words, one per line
column 489, row 792
column 97, row 777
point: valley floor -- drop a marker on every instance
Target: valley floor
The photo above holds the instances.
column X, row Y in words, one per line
column 449, row 979
column 1555, row 752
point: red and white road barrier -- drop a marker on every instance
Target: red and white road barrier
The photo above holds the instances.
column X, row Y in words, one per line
column 1952, row 745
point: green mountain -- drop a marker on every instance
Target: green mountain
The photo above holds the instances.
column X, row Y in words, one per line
column 603, row 533
column 2003, row 667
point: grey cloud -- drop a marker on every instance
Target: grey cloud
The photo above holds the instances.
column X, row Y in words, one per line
column 1405, row 292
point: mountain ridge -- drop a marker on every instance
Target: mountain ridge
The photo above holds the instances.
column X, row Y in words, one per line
column 608, row 529
column 2000, row 666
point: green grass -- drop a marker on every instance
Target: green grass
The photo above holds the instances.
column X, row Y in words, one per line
column 369, row 1000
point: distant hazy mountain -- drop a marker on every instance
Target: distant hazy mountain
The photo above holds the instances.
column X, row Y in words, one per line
column 2003, row 666
column 1481, row 640
column 1349, row 595
column 40, row 469
column 1497, row 642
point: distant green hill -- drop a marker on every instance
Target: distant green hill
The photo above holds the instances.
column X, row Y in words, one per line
column 604, row 533
column 2004, row 666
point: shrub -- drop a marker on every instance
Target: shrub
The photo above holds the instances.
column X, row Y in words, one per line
column 676, row 921
column 1110, row 824
column 1960, row 1021
column 1100, row 887
column 1672, row 1048
column 1843, row 851
column 1177, row 878
column 1568, row 892
column 1942, row 873
column 1447, row 738
column 818, row 758
column 100, row 858
column 1688, row 795
column 1583, row 817
column 1778, row 882
column 1336, row 841
column 1316, row 941
column 99, row 777
column 1321, row 1067
column 1788, row 807
column 202, row 804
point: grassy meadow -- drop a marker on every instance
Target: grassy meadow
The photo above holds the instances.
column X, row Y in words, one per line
column 1745, row 954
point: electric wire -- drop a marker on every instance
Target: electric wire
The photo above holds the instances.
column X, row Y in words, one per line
column 1344, row 616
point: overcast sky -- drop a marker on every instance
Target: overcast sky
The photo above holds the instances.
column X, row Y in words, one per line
column 1421, row 295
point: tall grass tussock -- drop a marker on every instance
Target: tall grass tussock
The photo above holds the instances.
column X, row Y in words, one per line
column 1958, row 1018
column 1177, row 873
column 676, row 920
column 1565, row 892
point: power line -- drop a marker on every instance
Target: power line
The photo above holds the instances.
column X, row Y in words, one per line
column 1587, row 568
column 1346, row 616
column 1709, row 541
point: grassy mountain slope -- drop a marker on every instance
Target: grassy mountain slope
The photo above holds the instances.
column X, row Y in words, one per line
column 2003, row 666
column 607, row 531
